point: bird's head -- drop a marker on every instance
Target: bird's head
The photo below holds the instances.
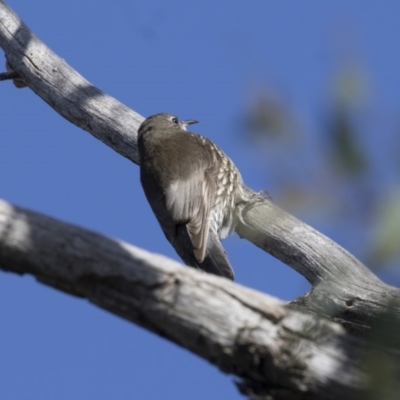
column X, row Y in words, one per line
column 164, row 121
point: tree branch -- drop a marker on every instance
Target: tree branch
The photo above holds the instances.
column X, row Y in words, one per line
column 274, row 351
column 344, row 290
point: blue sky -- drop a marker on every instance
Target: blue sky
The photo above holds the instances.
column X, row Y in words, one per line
column 199, row 60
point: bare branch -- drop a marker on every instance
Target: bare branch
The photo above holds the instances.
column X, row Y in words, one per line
column 272, row 349
column 344, row 290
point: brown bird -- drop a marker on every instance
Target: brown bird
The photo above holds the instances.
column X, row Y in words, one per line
column 193, row 189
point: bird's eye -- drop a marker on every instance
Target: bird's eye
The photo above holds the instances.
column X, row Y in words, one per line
column 174, row 120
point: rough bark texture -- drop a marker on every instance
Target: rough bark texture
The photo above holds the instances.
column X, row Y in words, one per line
column 276, row 350
column 344, row 290
column 273, row 349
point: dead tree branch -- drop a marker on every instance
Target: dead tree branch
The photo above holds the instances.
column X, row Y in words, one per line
column 272, row 349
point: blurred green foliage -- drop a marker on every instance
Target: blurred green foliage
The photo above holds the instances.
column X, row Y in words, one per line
column 333, row 174
column 386, row 233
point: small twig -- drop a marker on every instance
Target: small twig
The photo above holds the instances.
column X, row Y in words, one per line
column 4, row 76
column 10, row 74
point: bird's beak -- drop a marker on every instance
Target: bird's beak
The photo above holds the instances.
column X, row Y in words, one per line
column 187, row 122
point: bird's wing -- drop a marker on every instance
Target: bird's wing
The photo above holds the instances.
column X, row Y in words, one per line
column 189, row 201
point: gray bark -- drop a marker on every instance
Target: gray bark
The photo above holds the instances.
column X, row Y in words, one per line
column 274, row 350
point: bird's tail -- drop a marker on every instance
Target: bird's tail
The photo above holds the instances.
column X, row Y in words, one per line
column 216, row 260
